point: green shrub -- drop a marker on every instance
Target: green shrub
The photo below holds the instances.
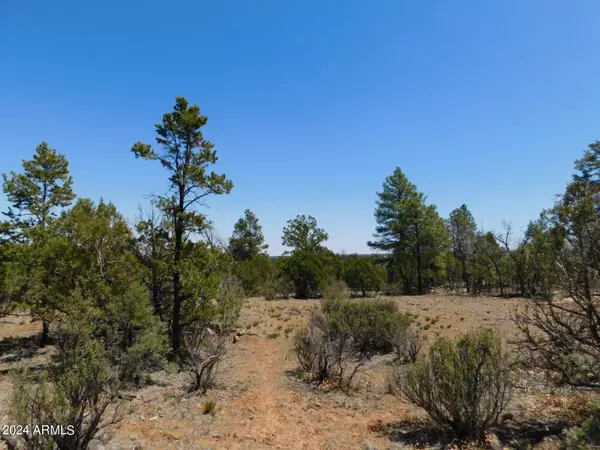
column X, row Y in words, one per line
column 229, row 302
column 463, row 386
column 363, row 275
column 135, row 338
column 305, row 270
column 253, row 273
column 276, row 285
column 587, row 436
column 80, row 389
column 334, row 289
column 346, row 334
column 370, row 323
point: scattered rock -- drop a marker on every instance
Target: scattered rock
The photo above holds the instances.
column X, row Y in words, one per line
column 368, row 446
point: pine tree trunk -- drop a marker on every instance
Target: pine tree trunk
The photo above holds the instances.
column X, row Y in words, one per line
column 176, row 322
column 177, row 294
column 45, row 338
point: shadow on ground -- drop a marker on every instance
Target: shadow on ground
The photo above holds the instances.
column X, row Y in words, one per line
column 515, row 435
column 16, row 348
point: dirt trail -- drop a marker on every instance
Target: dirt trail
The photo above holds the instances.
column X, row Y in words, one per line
column 269, row 411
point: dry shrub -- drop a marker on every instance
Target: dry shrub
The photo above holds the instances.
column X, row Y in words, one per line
column 463, row 386
column 204, row 351
column 407, row 345
column 334, row 289
column 572, row 408
column 587, row 436
column 346, row 334
column 80, row 390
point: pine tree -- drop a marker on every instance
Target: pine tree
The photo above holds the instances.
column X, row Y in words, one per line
column 462, row 229
column 38, row 193
column 36, row 197
column 248, row 240
column 187, row 156
column 410, row 229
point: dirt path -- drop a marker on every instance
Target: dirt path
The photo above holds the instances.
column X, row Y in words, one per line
column 268, row 411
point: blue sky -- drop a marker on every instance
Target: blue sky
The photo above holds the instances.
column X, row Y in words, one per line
column 311, row 104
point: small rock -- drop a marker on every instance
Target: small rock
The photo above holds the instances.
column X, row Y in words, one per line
column 368, row 446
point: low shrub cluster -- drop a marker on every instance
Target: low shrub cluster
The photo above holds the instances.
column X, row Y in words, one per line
column 463, row 385
column 344, row 335
column 80, row 390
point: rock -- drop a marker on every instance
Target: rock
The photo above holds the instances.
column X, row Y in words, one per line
column 368, row 446
column 176, row 434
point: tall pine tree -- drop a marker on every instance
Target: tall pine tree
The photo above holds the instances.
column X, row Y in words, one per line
column 187, row 156
column 462, row 229
column 410, row 229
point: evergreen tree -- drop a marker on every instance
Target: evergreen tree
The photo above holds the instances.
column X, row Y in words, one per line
column 95, row 261
column 362, row 274
column 410, row 229
column 36, row 197
column 154, row 249
column 187, row 156
column 462, row 229
column 304, row 235
column 248, row 240
column 38, row 193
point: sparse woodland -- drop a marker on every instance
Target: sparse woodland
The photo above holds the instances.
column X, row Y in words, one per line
column 119, row 299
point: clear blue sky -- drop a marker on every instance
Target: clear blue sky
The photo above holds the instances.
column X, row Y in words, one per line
column 311, row 104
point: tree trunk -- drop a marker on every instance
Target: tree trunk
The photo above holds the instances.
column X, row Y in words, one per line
column 176, row 322
column 45, row 339
column 177, row 294
column 465, row 276
column 419, row 272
